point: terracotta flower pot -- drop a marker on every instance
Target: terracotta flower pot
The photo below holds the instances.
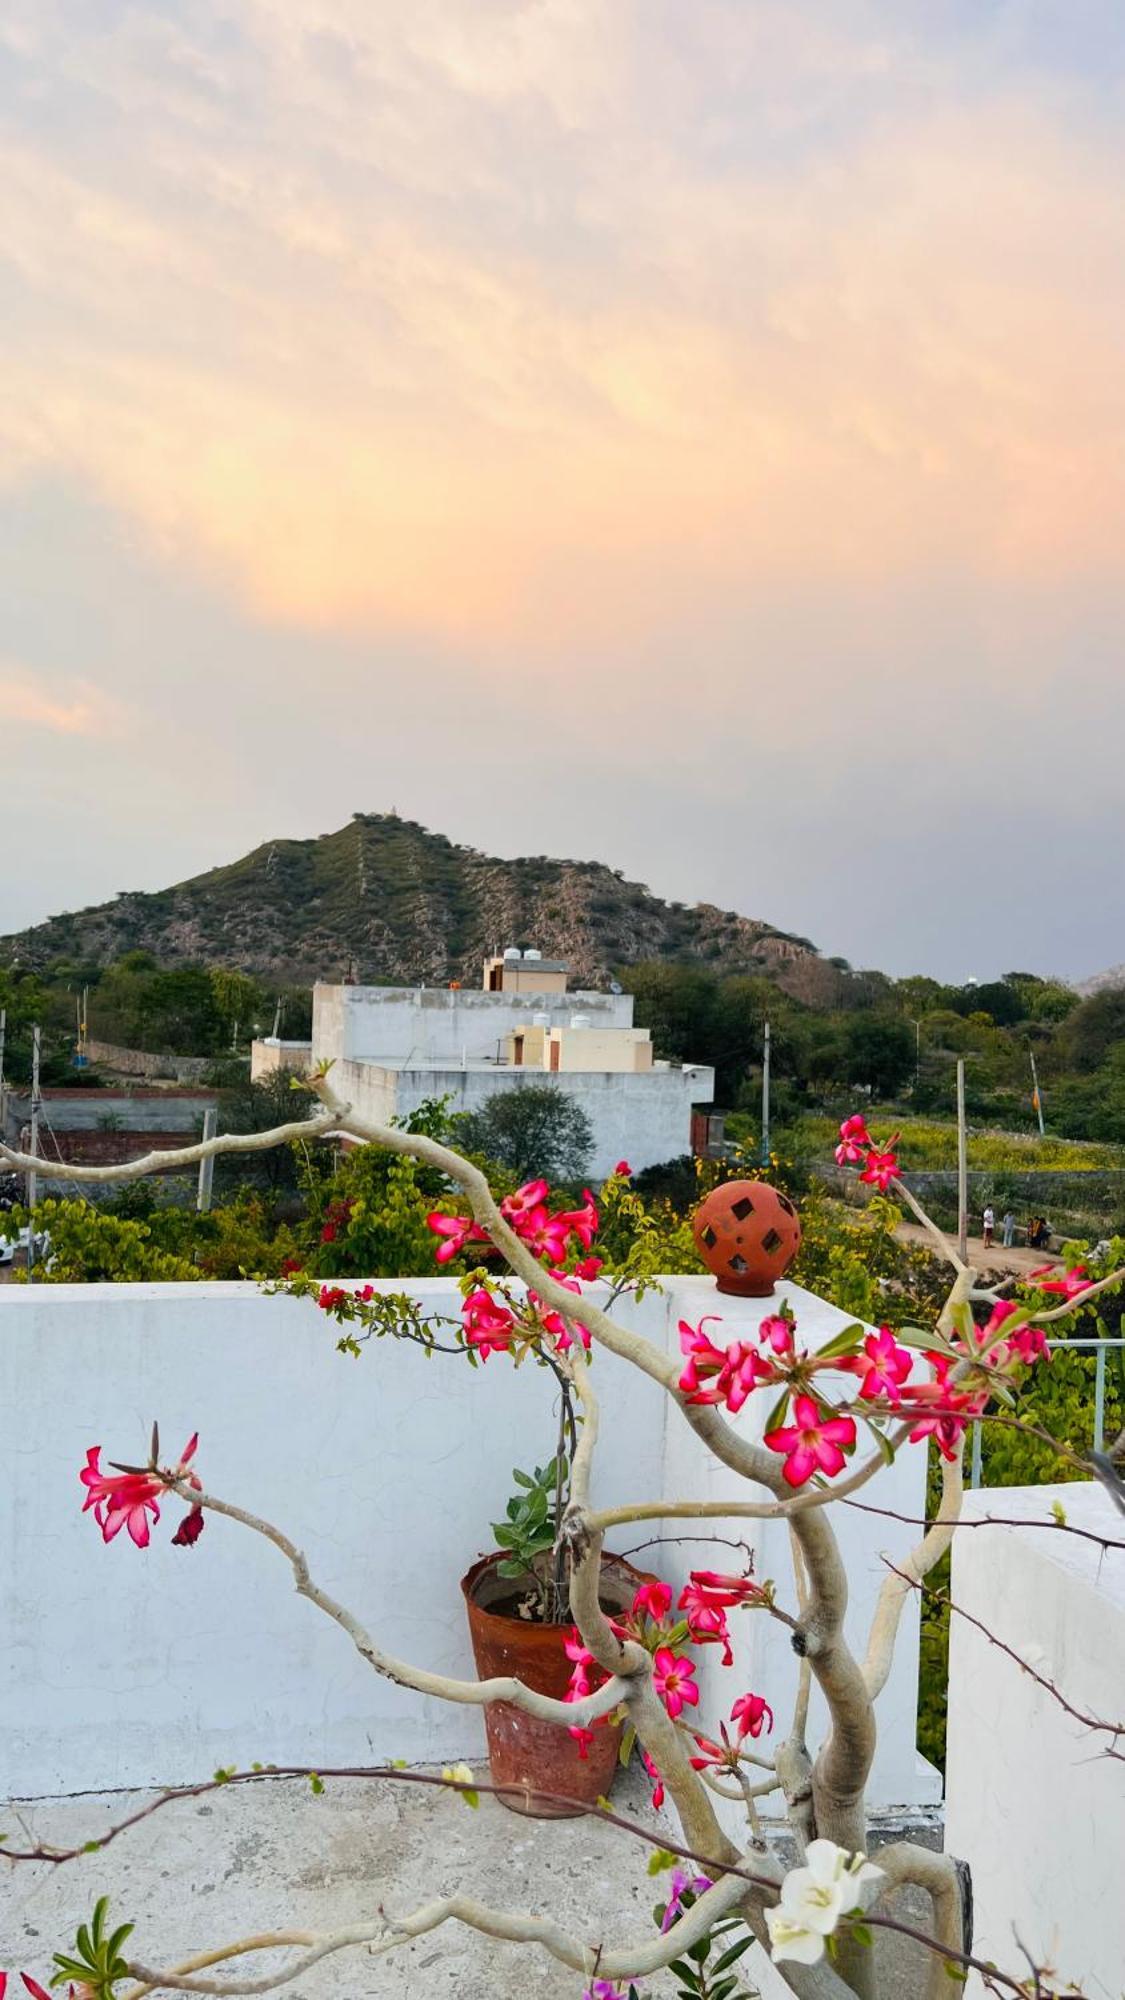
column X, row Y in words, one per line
column 747, row 1235
column 540, row 1757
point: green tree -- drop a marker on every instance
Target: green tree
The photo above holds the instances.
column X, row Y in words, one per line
column 532, row 1130
column 879, row 1052
column 1094, row 1028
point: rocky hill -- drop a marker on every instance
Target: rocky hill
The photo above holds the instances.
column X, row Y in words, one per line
column 408, row 906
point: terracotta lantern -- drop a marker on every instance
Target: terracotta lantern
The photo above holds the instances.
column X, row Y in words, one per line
column 748, row 1235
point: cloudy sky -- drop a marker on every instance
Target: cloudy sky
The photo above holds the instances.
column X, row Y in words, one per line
column 687, row 435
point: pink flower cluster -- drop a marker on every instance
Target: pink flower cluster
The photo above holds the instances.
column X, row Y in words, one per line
column 491, row 1326
column 123, row 1498
column 37, row 1992
column 857, row 1147
column 704, row 1600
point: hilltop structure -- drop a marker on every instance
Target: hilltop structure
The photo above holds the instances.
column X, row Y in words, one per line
column 392, row 1047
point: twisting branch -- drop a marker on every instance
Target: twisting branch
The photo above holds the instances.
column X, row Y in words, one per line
column 476, row 1694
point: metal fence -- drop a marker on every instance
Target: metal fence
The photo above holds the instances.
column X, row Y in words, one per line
column 1100, row 1349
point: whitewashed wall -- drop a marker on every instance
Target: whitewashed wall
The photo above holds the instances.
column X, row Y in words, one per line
column 1033, row 1803
column 120, row 1667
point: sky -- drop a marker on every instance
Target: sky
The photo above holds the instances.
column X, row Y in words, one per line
column 689, row 436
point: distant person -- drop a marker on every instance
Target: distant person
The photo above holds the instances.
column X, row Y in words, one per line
column 1009, row 1229
column 988, row 1224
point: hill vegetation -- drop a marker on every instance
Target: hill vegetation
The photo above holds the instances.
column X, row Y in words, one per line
column 408, row 906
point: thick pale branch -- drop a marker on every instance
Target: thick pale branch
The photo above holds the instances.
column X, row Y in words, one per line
column 902, row 1863
column 385, row 1932
column 317, row 1127
column 469, row 1693
column 898, row 1583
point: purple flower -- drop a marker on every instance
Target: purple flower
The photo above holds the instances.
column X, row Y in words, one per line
column 682, row 1885
column 603, row 1989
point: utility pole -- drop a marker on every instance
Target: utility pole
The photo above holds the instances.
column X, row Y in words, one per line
column 1035, row 1097
column 33, row 1149
column 962, row 1167
column 207, row 1163
column 766, row 1096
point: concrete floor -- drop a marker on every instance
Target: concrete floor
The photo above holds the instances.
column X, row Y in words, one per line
column 203, row 1872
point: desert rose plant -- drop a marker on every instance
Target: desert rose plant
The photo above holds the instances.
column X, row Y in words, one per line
column 835, row 1418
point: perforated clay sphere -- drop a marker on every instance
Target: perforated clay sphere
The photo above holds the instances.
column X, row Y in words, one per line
column 747, row 1234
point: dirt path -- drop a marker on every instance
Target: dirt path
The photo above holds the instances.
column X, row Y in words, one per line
column 1005, row 1263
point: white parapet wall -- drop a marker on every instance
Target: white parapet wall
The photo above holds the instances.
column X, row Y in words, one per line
column 1035, row 1804
column 123, row 1667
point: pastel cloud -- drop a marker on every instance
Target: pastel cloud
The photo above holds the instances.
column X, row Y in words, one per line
column 449, row 335
column 79, row 710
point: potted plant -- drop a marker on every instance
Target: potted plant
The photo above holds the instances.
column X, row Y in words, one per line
column 520, row 1625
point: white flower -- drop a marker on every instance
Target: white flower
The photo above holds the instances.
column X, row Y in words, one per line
column 814, row 1898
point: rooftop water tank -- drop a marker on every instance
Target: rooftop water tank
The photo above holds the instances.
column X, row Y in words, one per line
column 580, row 1020
column 532, row 953
column 513, row 951
column 541, row 1020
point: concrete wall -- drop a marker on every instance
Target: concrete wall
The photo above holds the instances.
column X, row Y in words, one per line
column 131, row 1110
column 139, row 1062
column 579, row 1049
column 1034, row 1804
column 405, row 1025
column 269, row 1055
column 645, row 1117
column 121, row 1667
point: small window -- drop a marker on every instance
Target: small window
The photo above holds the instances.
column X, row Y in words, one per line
column 771, row 1241
column 742, row 1208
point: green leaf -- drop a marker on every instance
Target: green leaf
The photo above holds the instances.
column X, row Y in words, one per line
column 316, row 1784
column 848, row 1337
column 521, row 1478
column 774, row 1420
column 862, row 1933
column 660, row 1860
column 732, row 1956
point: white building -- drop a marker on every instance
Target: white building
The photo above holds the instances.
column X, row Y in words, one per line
column 392, row 1047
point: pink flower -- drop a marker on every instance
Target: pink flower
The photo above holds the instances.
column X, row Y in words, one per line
column 673, row 1677
column 942, row 1413
column 623, row 1171
column 882, row 1167
column 705, row 1361
column 750, row 1712
column 776, row 1331
column 1028, row 1344
column 884, row 1366
column 588, row 1268
column 1001, row 1312
column 125, row 1499
column 743, row 1368
column 189, row 1530
column 331, row 1297
column 37, row 1992
column 488, row 1326
column 581, row 1222
column 1065, row 1285
column 554, row 1323
column 681, row 1885
column 527, row 1200
column 603, row 1989
column 727, row 1589
column 854, row 1141
column 714, row 1756
column 455, row 1231
column 707, row 1618
column 657, row 1781
column 654, row 1600
column 813, row 1444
